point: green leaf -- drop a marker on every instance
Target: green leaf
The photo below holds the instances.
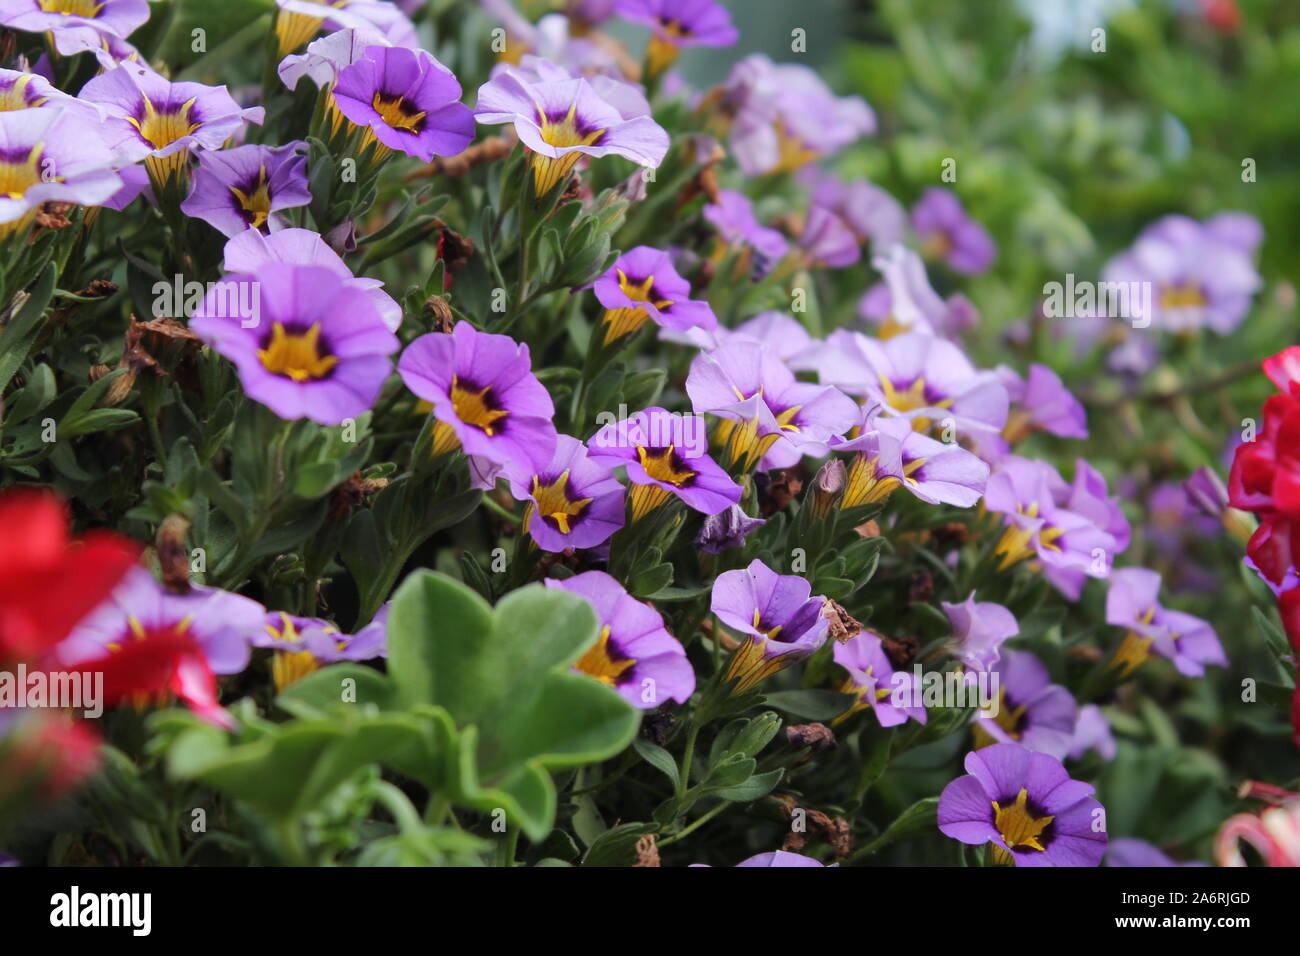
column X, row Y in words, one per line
column 810, row 704
column 759, row 785
column 658, row 758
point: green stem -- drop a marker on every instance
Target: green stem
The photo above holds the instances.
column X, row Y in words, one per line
column 687, row 831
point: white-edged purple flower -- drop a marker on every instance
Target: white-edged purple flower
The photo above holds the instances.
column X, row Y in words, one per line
column 31, row 91
column 485, row 396
column 407, row 100
column 906, row 302
column 149, row 117
column 324, row 58
column 922, row 378
column 242, row 188
column 1201, row 274
column 979, row 629
column 827, row 240
column 1132, row 852
column 314, row 346
column 75, row 25
column 642, row 285
column 562, row 120
column 891, row 454
column 572, row 500
column 1133, row 603
column 785, row 116
column 251, row 249
column 666, row 455
column 50, row 156
column 1029, row 710
column 777, row 615
column 1027, row 806
column 891, row 695
column 297, row 21
column 634, row 652
column 948, row 233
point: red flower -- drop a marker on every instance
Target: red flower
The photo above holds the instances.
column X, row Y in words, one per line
column 1223, row 15
column 156, row 667
column 48, row 581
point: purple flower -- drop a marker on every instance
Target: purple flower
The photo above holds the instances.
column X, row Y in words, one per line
column 573, row 502
column 733, row 217
column 75, row 25
column 827, row 240
column 1042, row 402
column 149, row 117
column 408, row 100
column 1201, row 274
column 785, row 116
column 948, row 233
column 891, row 454
column 784, row 336
column 978, row 631
column 892, row 695
column 1089, row 497
column 870, row 212
column 642, row 284
column 1133, row 603
column 324, row 58
column 1029, row 710
column 1022, row 489
column 780, row 619
column 1092, row 732
column 634, row 653
column 484, row 394
column 242, row 188
column 562, row 120
column 665, row 455
column 1129, row 851
column 312, row 345
column 297, row 21
column 49, row 156
column 1026, row 805
column 919, row 377
column 303, row 644
column 726, row 529
column 677, row 24
column 1206, row 490
column 780, row 858
column 22, row 91
column 251, row 249
column 906, row 302
column 766, row 412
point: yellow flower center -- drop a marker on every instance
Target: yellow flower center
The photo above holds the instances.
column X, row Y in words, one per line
column 771, row 633
column 1018, row 826
column 17, row 178
column 394, row 111
column 475, row 408
column 911, row 398
column 1185, row 295
column 552, row 501
column 661, row 465
column 163, row 129
column 15, row 98
column 296, row 355
column 256, row 202
column 562, row 133
column 599, row 661
column 71, row 8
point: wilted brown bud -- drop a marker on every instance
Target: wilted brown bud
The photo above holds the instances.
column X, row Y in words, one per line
column 353, row 494
column 816, row 737
column 951, row 535
column 920, row 588
column 54, row 215
column 843, row 626
column 901, row 651
column 783, row 489
column 647, row 853
column 173, row 558
column 868, row 529
column 438, row 311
